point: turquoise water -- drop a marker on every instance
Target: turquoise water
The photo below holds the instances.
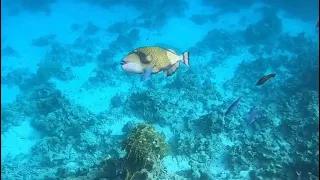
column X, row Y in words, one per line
column 67, row 107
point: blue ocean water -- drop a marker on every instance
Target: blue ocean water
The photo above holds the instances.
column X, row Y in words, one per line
column 69, row 111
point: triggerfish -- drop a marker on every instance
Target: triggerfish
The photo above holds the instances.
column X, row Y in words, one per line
column 153, row 59
column 265, row 79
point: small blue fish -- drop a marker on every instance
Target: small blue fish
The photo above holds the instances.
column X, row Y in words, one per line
column 231, row 107
column 146, row 73
column 252, row 115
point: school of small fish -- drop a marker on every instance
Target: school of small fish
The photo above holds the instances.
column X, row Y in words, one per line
column 253, row 113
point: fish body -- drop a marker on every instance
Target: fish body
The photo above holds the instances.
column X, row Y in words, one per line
column 234, row 104
column 317, row 25
column 265, row 79
column 152, row 59
column 252, row 115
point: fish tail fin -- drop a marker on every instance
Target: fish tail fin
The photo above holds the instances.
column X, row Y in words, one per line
column 185, row 58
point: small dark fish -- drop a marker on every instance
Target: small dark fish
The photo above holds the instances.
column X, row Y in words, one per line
column 234, row 104
column 317, row 25
column 299, row 175
column 265, row 79
column 146, row 74
column 252, row 115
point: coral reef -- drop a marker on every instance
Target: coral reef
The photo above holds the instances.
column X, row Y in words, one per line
column 33, row 6
column 76, row 142
column 148, row 9
column 47, row 99
column 57, row 53
column 16, row 77
column 265, row 30
column 55, row 114
column 257, row 155
column 298, row 9
column 9, row 51
column 75, row 27
column 87, row 43
column 288, row 112
column 65, row 74
column 80, row 59
column 220, row 42
column 101, row 75
column 119, row 27
column 201, row 141
column 116, row 101
column 44, row 40
column 231, row 6
column 298, row 44
column 91, row 29
column 11, row 115
column 144, row 148
column 146, row 105
column 125, row 41
column 75, row 118
column 201, row 19
column 47, row 70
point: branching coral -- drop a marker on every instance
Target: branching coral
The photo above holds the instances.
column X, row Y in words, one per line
column 145, row 148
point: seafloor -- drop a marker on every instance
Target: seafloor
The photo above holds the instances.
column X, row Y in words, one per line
column 68, row 110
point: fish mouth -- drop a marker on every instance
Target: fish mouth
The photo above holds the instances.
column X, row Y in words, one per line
column 123, row 62
column 131, row 67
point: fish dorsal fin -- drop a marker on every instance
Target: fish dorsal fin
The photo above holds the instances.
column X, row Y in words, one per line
column 171, row 70
column 173, row 51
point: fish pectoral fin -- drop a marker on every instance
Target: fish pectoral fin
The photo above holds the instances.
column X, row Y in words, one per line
column 171, row 70
column 146, row 74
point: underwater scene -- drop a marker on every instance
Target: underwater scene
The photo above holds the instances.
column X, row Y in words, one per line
column 159, row 90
